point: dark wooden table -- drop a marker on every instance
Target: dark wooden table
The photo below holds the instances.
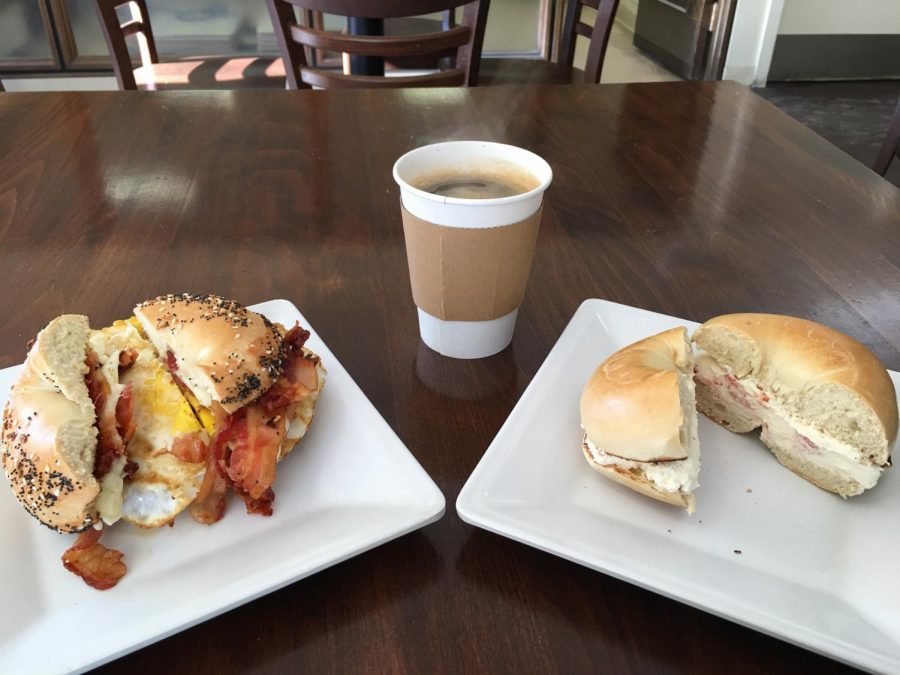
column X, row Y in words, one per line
column 691, row 199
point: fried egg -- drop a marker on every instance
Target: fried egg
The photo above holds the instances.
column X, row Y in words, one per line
column 163, row 484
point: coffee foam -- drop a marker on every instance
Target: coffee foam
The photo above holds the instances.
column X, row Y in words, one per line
column 498, row 171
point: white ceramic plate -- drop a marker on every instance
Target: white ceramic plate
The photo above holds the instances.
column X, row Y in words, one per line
column 812, row 569
column 349, row 486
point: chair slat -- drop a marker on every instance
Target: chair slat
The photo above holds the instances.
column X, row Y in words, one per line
column 316, row 77
column 379, row 9
column 401, row 45
column 132, row 27
column 584, row 29
column 407, row 49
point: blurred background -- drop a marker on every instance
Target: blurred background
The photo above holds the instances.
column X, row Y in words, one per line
column 832, row 64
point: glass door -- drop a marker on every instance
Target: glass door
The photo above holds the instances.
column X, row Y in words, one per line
column 27, row 41
column 65, row 35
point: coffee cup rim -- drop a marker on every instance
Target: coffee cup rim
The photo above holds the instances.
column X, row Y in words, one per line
column 461, row 201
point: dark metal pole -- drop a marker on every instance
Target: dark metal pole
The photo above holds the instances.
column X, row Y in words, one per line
column 365, row 65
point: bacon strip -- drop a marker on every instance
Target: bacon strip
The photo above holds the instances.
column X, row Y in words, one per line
column 127, row 357
column 189, row 447
column 171, row 362
column 115, row 427
column 209, row 505
column 261, row 506
column 98, row 566
column 254, row 451
column 124, row 413
column 260, row 428
column 295, row 338
column 109, row 442
column 253, row 436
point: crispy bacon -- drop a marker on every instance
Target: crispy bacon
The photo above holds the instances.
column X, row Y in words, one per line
column 98, row 387
column 295, row 338
column 209, row 505
column 189, row 447
column 298, row 380
column 124, row 414
column 115, row 427
column 127, row 357
column 254, row 451
column 98, row 566
column 261, row 506
column 109, row 443
column 171, row 362
column 279, row 396
column 211, row 509
column 244, row 452
column 259, row 429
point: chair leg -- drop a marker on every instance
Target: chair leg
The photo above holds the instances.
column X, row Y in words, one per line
column 891, row 145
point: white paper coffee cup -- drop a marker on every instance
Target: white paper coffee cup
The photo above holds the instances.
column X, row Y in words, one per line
column 469, row 258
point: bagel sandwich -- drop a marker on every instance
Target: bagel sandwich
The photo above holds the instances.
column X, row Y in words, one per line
column 825, row 404
column 639, row 422
column 96, row 430
column 252, row 383
column 101, row 427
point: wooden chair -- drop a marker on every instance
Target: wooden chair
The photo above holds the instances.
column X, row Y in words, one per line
column 891, row 146
column 216, row 72
column 393, row 27
column 465, row 39
column 532, row 71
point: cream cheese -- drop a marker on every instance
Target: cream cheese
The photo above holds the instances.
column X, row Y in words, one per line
column 679, row 474
column 783, row 429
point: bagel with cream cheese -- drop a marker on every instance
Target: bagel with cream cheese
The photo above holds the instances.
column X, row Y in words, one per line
column 639, row 422
column 825, row 404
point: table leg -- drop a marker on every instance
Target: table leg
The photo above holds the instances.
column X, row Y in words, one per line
column 365, row 65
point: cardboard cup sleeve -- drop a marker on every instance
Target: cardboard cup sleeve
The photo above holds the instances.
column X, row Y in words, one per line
column 469, row 273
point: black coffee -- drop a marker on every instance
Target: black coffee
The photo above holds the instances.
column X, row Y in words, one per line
column 475, row 185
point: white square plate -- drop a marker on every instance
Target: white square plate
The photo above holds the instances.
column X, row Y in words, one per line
column 349, row 486
column 765, row 548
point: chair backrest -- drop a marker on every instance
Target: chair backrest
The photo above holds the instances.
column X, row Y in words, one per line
column 598, row 34
column 891, row 146
column 466, row 38
column 115, row 33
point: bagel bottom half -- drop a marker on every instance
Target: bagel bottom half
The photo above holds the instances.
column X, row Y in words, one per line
column 635, row 479
column 639, row 419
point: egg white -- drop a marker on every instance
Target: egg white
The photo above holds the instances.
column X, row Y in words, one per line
column 163, row 485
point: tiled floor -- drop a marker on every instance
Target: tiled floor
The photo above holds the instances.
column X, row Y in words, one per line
column 624, row 62
column 60, row 84
column 854, row 116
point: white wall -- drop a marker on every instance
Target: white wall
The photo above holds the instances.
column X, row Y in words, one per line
column 626, row 14
column 839, row 17
column 753, row 39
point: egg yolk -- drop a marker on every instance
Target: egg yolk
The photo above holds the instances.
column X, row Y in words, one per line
column 162, row 400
